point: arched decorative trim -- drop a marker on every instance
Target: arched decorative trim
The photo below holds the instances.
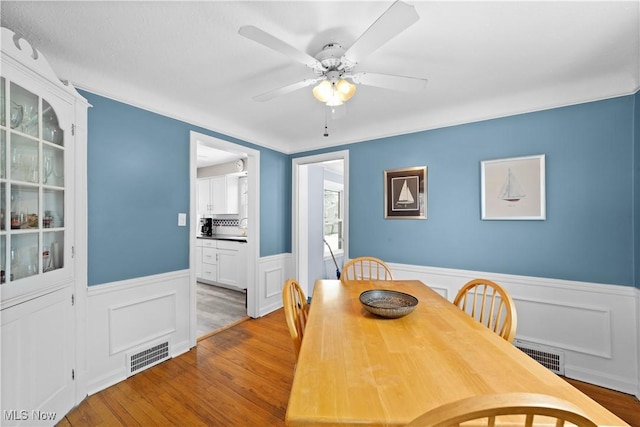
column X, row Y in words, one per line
column 21, row 51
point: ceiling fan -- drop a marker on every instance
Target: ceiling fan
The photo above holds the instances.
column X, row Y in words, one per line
column 334, row 65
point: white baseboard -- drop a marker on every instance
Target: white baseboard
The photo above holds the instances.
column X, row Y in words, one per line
column 99, row 383
column 613, row 382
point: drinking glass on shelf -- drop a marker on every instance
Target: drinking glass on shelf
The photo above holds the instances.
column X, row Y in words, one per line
column 30, row 120
column 16, row 262
column 3, row 154
column 33, row 169
column 31, row 269
column 47, row 168
column 16, row 158
column 17, row 112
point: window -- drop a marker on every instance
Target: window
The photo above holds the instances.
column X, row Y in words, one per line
column 332, row 221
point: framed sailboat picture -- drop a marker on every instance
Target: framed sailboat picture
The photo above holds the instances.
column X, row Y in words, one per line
column 513, row 188
column 405, row 193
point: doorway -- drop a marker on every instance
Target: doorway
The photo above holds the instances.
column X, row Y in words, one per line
column 320, row 216
column 250, row 225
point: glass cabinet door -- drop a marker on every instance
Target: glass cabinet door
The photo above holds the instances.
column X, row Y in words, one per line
column 32, row 185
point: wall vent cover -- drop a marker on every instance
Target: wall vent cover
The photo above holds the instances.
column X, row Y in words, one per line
column 549, row 357
column 148, row 357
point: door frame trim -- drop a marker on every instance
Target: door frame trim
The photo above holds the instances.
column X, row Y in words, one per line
column 253, row 223
column 299, row 239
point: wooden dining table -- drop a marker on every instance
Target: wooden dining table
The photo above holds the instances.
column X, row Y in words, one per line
column 357, row 369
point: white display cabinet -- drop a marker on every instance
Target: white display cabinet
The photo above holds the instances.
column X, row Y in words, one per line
column 42, row 224
column 32, row 181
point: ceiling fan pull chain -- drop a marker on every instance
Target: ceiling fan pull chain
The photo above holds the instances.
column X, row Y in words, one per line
column 326, row 113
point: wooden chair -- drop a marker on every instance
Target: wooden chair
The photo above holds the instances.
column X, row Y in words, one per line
column 491, row 305
column 296, row 310
column 365, row 267
column 492, row 406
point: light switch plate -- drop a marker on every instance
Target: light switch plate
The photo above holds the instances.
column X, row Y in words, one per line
column 182, row 219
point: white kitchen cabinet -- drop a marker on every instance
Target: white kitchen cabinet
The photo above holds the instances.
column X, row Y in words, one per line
column 225, row 194
column 204, row 201
column 198, row 257
column 230, row 263
column 223, row 262
column 209, row 261
column 42, row 124
column 217, row 195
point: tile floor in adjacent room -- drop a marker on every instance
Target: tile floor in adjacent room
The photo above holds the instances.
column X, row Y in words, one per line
column 218, row 307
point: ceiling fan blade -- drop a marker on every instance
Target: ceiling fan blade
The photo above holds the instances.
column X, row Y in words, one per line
column 286, row 89
column 266, row 39
column 389, row 81
column 392, row 22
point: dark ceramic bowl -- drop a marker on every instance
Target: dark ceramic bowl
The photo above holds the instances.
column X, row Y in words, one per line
column 387, row 303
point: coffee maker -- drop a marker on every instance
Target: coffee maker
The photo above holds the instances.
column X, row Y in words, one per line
column 206, row 226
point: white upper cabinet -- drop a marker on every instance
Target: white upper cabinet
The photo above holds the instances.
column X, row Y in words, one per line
column 218, row 195
column 225, row 194
column 203, row 188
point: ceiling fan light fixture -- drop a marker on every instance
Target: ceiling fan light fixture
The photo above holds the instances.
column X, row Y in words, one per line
column 333, row 94
column 323, row 91
column 345, row 89
column 334, row 101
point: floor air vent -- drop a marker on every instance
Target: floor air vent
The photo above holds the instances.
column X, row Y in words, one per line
column 147, row 358
column 549, row 357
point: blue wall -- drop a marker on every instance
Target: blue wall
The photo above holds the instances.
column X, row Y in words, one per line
column 588, row 233
column 138, row 176
column 275, row 203
column 138, row 182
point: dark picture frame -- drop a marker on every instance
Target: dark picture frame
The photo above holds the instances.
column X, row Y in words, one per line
column 405, row 193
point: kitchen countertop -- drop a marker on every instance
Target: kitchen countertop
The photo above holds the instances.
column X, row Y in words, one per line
column 242, row 239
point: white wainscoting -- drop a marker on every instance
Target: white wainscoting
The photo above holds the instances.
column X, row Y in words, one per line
column 126, row 316
column 595, row 325
column 273, row 271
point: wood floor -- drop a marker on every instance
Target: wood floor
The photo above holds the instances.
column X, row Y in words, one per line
column 623, row 405
column 238, row 377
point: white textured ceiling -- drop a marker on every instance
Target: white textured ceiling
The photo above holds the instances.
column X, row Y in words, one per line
column 482, row 59
column 209, row 156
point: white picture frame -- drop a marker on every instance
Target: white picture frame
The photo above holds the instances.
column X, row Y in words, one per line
column 513, row 188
